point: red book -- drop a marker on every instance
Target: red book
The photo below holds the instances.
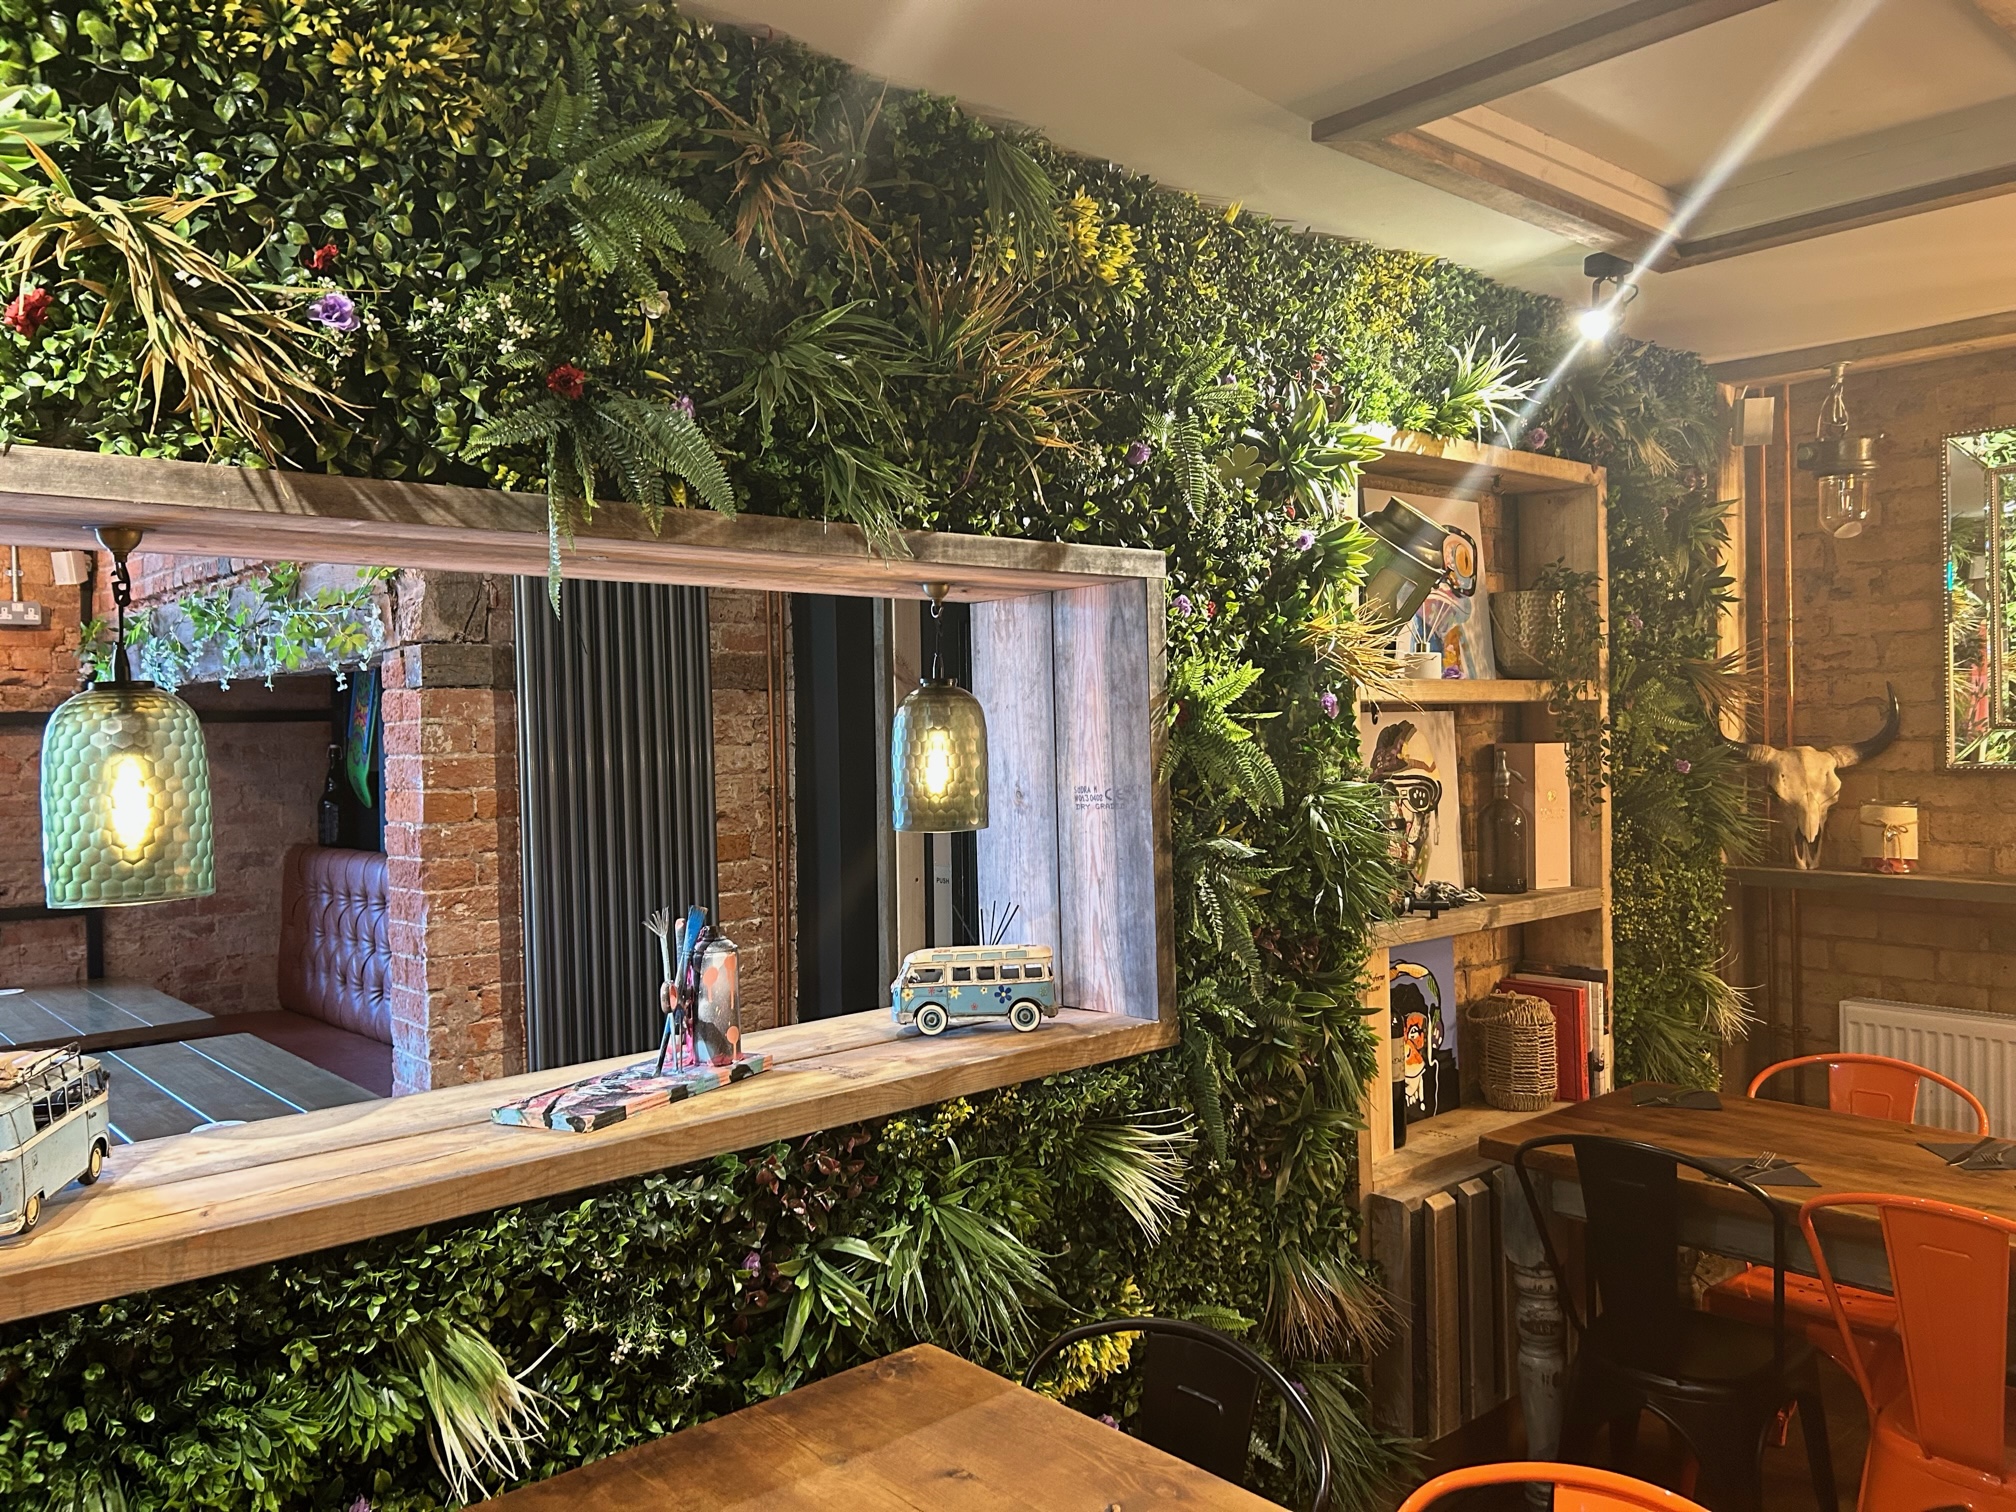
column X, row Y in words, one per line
column 1571, row 1030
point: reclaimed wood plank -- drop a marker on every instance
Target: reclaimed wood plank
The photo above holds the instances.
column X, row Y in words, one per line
column 203, row 1204
column 1476, row 1218
column 915, row 1430
column 1392, row 1225
column 1018, row 851
column 1497, row 911
column 1442, row 1336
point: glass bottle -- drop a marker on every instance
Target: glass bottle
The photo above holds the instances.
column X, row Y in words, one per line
column 1504, row 838
column 329, row 812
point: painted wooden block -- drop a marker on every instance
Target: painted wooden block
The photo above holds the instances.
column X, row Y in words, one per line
column 596, row 1102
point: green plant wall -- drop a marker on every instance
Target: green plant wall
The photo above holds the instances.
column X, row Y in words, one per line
column 713, row 270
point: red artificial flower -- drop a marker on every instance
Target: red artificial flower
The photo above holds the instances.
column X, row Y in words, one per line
column 27, row 311
column 567, row 381
column 323, row 258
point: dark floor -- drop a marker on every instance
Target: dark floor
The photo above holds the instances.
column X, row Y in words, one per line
column 1787, row 1485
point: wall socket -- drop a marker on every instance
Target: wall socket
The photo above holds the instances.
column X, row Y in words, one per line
column 20, row 616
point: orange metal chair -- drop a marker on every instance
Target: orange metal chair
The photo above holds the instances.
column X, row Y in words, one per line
column 1940, row 1413
column 1577, row 1488
column 1870, row 1086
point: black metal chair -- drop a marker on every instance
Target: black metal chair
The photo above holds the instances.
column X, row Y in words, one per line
column 1198, row 1394
column 1719, row 1383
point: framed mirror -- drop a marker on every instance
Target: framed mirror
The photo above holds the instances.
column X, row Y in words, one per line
column 1980, row 491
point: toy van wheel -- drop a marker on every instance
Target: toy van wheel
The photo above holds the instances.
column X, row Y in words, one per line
column 31, row 1211
column 95, row 1166
column 931, row 1019
column 1025, row 1015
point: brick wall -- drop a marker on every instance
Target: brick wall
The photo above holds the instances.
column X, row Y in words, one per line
column 750, row 768
column 1869, row 611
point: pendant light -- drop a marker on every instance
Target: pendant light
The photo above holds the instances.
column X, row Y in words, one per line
column 1843, row 462
column 125, row 784
column 938, row 748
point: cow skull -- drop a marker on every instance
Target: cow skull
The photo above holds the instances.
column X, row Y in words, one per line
column 1807, row 779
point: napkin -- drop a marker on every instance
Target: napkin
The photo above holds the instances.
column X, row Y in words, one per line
column 1977, row 1154
column 1652, row 1095
column 1779, row 1173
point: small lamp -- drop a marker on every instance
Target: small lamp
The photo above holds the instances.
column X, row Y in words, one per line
column 125, row 784
column 938, row 749
column 1843, row 462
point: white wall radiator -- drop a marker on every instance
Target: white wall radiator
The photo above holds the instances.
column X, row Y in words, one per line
column 1978, row 1050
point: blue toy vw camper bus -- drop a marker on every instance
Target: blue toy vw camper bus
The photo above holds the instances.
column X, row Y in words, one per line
column 950, row 983
column 55, row 1128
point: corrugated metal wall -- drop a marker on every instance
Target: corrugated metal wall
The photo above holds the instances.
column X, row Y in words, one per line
column 616, row 767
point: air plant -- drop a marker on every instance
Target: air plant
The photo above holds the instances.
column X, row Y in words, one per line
column 1140, row 1159
column 239, row 361
column 486, row 1419
column 785, row 179
column 1481, row 392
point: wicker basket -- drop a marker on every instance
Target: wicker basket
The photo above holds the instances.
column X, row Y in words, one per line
column 1525, row 630
column 1518, row 1033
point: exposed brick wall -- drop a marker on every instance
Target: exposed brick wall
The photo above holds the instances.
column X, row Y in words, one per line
column 1869, row 611
column 451, row 834
column 744, row 627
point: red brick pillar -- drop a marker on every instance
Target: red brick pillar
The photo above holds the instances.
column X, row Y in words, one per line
column 752, row 840
column 451, row 838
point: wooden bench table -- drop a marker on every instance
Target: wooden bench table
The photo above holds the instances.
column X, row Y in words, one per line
column 919, row 1431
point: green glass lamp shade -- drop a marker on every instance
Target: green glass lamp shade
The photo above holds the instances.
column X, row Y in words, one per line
column 938, row 759
column 125, row 800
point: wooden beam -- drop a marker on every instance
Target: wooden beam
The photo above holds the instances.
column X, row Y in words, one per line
column 52, row 498
column 1623, row 29
column 1958, row 338
column 1874, row 210
column 1487, row 157
column 2001, row 12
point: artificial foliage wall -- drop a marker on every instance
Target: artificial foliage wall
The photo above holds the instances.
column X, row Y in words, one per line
column 604, row 247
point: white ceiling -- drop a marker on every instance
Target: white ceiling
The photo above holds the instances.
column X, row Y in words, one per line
column 1218, row 96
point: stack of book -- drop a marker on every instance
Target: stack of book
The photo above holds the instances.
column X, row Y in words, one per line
column 1584, row 1034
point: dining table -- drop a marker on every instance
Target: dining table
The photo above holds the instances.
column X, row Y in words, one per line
column 1837, row 1152
column 917, row 1431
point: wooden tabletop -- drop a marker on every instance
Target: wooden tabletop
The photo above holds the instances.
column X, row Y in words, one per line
column 1842, row 1152
column 920, row 1431
column 94, row 1014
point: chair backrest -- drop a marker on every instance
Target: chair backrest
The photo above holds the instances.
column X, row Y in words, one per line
column 1631, row 1198
column 1577, row 1488
column 1949, row 1266
column 1198, row 1394
column 1876, row 1086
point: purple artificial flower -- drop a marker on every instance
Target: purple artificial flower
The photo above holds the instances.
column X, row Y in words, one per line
column 1183, row 605
column 335, row 311
column 753, row 1263
column 684, row 404
column 1305, row 540
column 362, row 1504
column 1537, row 437
column 1140, row 454
column 1109, row 1420
column 1682, row 765
column 1634, row 621
column 1329, row 703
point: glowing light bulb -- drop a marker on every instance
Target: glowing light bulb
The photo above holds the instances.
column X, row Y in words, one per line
column 937, row 762
column 1596, row 323
column 130, row 801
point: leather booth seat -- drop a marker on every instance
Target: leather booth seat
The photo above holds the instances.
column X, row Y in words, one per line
column 335, row 963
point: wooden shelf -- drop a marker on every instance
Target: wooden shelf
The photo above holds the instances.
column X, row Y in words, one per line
column 203, row 1203
column 1931, row 888
column 1496, row 912
column 1426, row 693
column 1442, row 1151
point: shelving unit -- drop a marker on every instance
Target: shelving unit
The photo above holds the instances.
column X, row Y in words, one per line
column 1431, row 1212
column 1948, row 888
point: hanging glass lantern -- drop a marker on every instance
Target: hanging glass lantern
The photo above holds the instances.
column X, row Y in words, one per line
column 1844, row 463
column 938, row 751
column 125, row 785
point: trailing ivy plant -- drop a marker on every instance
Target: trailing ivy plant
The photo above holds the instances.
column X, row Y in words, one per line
column 1572, row 649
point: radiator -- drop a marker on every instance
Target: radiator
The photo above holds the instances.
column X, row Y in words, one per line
column 1978, row 1050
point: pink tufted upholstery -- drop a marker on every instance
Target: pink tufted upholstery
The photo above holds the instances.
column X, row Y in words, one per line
column 335, row 964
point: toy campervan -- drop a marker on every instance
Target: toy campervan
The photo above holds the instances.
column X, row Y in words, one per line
column 55, row 1128
column 952, row 983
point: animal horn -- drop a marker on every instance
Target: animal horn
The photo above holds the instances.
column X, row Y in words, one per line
column 1875, row 745
column 1744, row 748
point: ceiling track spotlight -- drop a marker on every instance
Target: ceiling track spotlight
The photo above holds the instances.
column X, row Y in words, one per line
column 1599, row 322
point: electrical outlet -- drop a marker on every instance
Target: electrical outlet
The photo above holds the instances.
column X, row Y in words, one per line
column 20, row 616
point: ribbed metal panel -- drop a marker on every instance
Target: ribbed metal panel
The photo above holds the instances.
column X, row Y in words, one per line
column 616, row 764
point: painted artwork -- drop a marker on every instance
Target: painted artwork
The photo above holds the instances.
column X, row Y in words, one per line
column 1421, row 990
column 596, row 1102
column 1408, row 752
column 1455, row 622
column 361, row 733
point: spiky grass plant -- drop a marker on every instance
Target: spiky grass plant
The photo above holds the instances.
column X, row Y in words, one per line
column 239, row 362
column 1319, row 1304
column 1482, row 392
column 1140, row 1158
column 485, row 1418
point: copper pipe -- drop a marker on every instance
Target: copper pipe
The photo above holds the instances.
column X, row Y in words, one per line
column 1791, row 636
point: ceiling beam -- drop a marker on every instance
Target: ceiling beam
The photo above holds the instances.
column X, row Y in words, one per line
column 2001, row 12
column 1623, row 29
column 1487, row 157
column 1918, row 199
column 1958, row 338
